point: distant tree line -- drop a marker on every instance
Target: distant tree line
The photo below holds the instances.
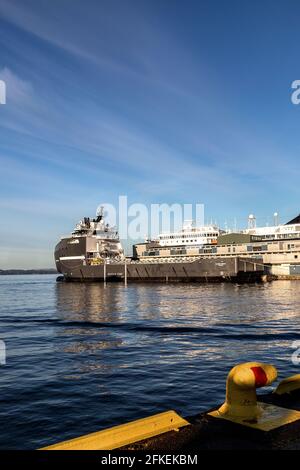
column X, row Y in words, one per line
column 4, row 272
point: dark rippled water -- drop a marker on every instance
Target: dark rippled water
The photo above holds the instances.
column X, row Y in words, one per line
column 84, row 357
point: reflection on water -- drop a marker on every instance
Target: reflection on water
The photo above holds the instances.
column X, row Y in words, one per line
column 91, row 300
column 84, row 356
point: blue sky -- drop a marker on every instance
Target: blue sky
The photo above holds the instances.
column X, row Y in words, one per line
column 161, row 100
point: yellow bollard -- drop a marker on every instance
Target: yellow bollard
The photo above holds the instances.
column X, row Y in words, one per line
column 288, row 385
column 241, row 385
column 241, row 404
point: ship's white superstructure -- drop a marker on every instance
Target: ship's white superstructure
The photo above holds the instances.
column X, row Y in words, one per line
column 101, row 240
column 191, row 235
column 96, row 227
column 276, row 231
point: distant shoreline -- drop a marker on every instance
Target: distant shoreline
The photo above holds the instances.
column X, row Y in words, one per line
column 5, row 272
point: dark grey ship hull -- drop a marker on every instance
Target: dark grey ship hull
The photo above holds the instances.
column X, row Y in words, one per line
column 72, row 263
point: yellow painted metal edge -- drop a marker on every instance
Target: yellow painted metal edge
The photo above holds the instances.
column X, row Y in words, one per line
column 272, row 417
column 288, row 385
column 124, row 434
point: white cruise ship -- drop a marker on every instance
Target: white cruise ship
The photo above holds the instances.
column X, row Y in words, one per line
column 190, row 235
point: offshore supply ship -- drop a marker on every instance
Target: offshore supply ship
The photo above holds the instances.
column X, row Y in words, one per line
column 93, row 252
